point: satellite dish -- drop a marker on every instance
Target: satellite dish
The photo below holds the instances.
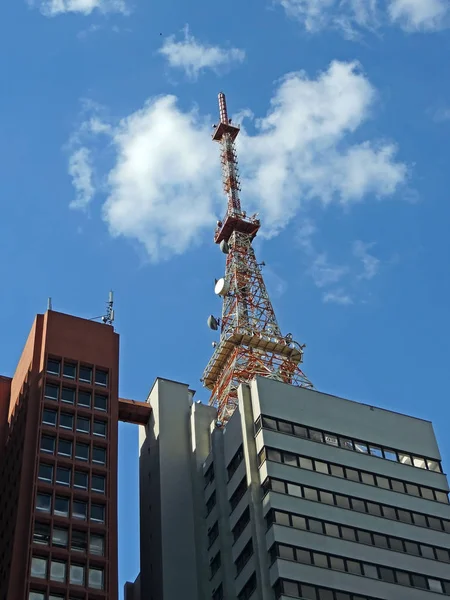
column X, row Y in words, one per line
column 225, row 248
column 222, row 287
column 212, row 323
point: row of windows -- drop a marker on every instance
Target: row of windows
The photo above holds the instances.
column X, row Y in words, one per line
column 244, row 557
column 61, row 508
column 67, row 420
column 359, row 567
column 354, row 534
column 60, row 571
column 333, row 439
column 241, row 524
column 41, row 596
column 357, row 504
column 209, row 475
column 69, row 395
column 248, row 588
column 70, row 370
column 235, row 462
column 238, row 493
column 66, row 447
column 387, row 483
column 284, row 587
column 65, row 476
column 59, row 537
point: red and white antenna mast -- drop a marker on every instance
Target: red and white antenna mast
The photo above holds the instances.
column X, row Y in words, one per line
column 250, row 343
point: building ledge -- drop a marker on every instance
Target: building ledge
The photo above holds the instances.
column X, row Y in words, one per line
column 132, row 411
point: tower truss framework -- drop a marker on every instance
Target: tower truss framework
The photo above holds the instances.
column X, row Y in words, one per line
column 251, row 342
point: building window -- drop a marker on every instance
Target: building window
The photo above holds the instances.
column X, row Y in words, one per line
column 66, row 421
column 214, row 565
column 98, row 513
column 97, row 545
column 58, row 571
column 248, row 588
column 49, row 417
column 218, row 593
column 77, row 574
column 79, row 510
column 213, row 533
column 82, row 451
column 80, row 480
column 61, row 506
column 63, row 476
column 68, row 395
column 96, row 578
column 84, row 399
column 99, row 455
column 98, row 483
column 64, row 447
column 211, row 502
column 238, row 493
column 209, row 475
column 41, row 534
column 85, row 374
column 36, row 596
column 60, row 537
column 45, row 472
column 39, row 567
column 83, row 425
column 241, row 524
column 101, row 377
column 70, row 370
column 235, row 462
column 44, row 503
column 51, row 392
column 79, row 541
column 100, row 402
column 100, row 428
column 55, row 597
column 53, row 366
column 244, row 557
column 48, row 444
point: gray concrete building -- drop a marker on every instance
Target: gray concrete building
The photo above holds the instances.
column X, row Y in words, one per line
column 301, row 495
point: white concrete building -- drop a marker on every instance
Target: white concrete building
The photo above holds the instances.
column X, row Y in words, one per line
column 301, row 495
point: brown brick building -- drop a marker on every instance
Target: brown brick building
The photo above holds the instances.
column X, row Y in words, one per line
column 58, row 463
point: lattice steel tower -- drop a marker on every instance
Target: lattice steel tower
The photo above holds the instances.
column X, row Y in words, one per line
column 251, row 342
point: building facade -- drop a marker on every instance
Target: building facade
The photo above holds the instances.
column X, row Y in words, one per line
column 58, row 464
column 300, row 495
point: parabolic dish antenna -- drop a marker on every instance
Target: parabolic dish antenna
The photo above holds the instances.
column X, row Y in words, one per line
column 212, row 323
column 222, row 287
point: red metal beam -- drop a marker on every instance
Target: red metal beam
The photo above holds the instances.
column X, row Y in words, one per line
column 132, row 411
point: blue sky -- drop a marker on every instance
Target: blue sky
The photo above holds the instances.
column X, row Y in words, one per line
column 108, row 179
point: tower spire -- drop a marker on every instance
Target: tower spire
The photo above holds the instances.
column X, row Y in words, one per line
column 251, row 342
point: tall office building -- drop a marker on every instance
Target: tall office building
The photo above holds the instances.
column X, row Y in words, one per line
column 300, row 495
column 58, row 464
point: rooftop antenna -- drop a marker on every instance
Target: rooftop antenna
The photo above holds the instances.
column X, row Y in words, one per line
column 49, row 304
column 108, row 319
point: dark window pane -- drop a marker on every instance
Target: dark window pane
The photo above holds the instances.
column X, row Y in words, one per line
column 403, row 578
column 374, row 509
column 370, row 571
column 321, row 467
column 269, row 423
column 389, row 512
column 331, row 529
column 303, row 556
column 53, row 366
column 63, row 476
column 435, row 523
column 427, row 493
column 358, row 505
column 61, row 506
column 367, row 478
column 404, row 516
column 84, row 399
column 43, row 503
column 398, row 486
column 85, row 374
column 348, row 533
column 98, row 513
column 45, row 472
column 316, row 436
column 281, row 518
column 79, row 510
column 308, row 592
column 337, row 471
column 99, row 455
column 100, row 428
column 294, row 490
column 298, row 522
column 300, row 431
column 290, row 459
column 342, row 596
column 277, row 486
column 412, row 548
column 60, row 537
column 68, row 395
column 380, row 541
column 320, row 560
column 49, row 417
column 352, row 474
column 435, row 585
column 66, row 421
column 353, row 567
column 41, row 534
column 274, row 455
column 419, row 581
column 315, row 526
column 82, row 451
column 80, row 480
column 441, row 496
column 290, row 588
column 48, row 444
column 97, row 545
column 70, row 370
column 383, row 482
column 396, row 544
column 346, row 443
column 412, row 489
column 83, row 425
column 426, row 551
column 325, row 594
column 387, row 574
column 79, row 541
column 305, row 463
column 100, row 402
column 420, row 520
column 51, row 392
column 286, row 552
column 284, row 427
column 443, row 554
column 310, row 494
column 98, row 483
column 364, row 537
column 64, row 447
column 337, row 564
column 101, row 377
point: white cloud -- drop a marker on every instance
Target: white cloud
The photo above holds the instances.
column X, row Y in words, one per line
column 440, row 114
column 370, row 263
column 352, row 17
column 80, row 169
column 193, row 57
column 51, row 8
column 337, row 297
column 164, row 186
column 324, row 274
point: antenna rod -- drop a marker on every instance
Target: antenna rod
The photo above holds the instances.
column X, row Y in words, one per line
column 49, row 304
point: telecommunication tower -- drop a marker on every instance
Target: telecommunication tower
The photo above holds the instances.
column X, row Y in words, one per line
column 251, row 342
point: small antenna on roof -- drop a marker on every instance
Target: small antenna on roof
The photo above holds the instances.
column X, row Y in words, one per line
column 49, row 304
column 109, row 317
